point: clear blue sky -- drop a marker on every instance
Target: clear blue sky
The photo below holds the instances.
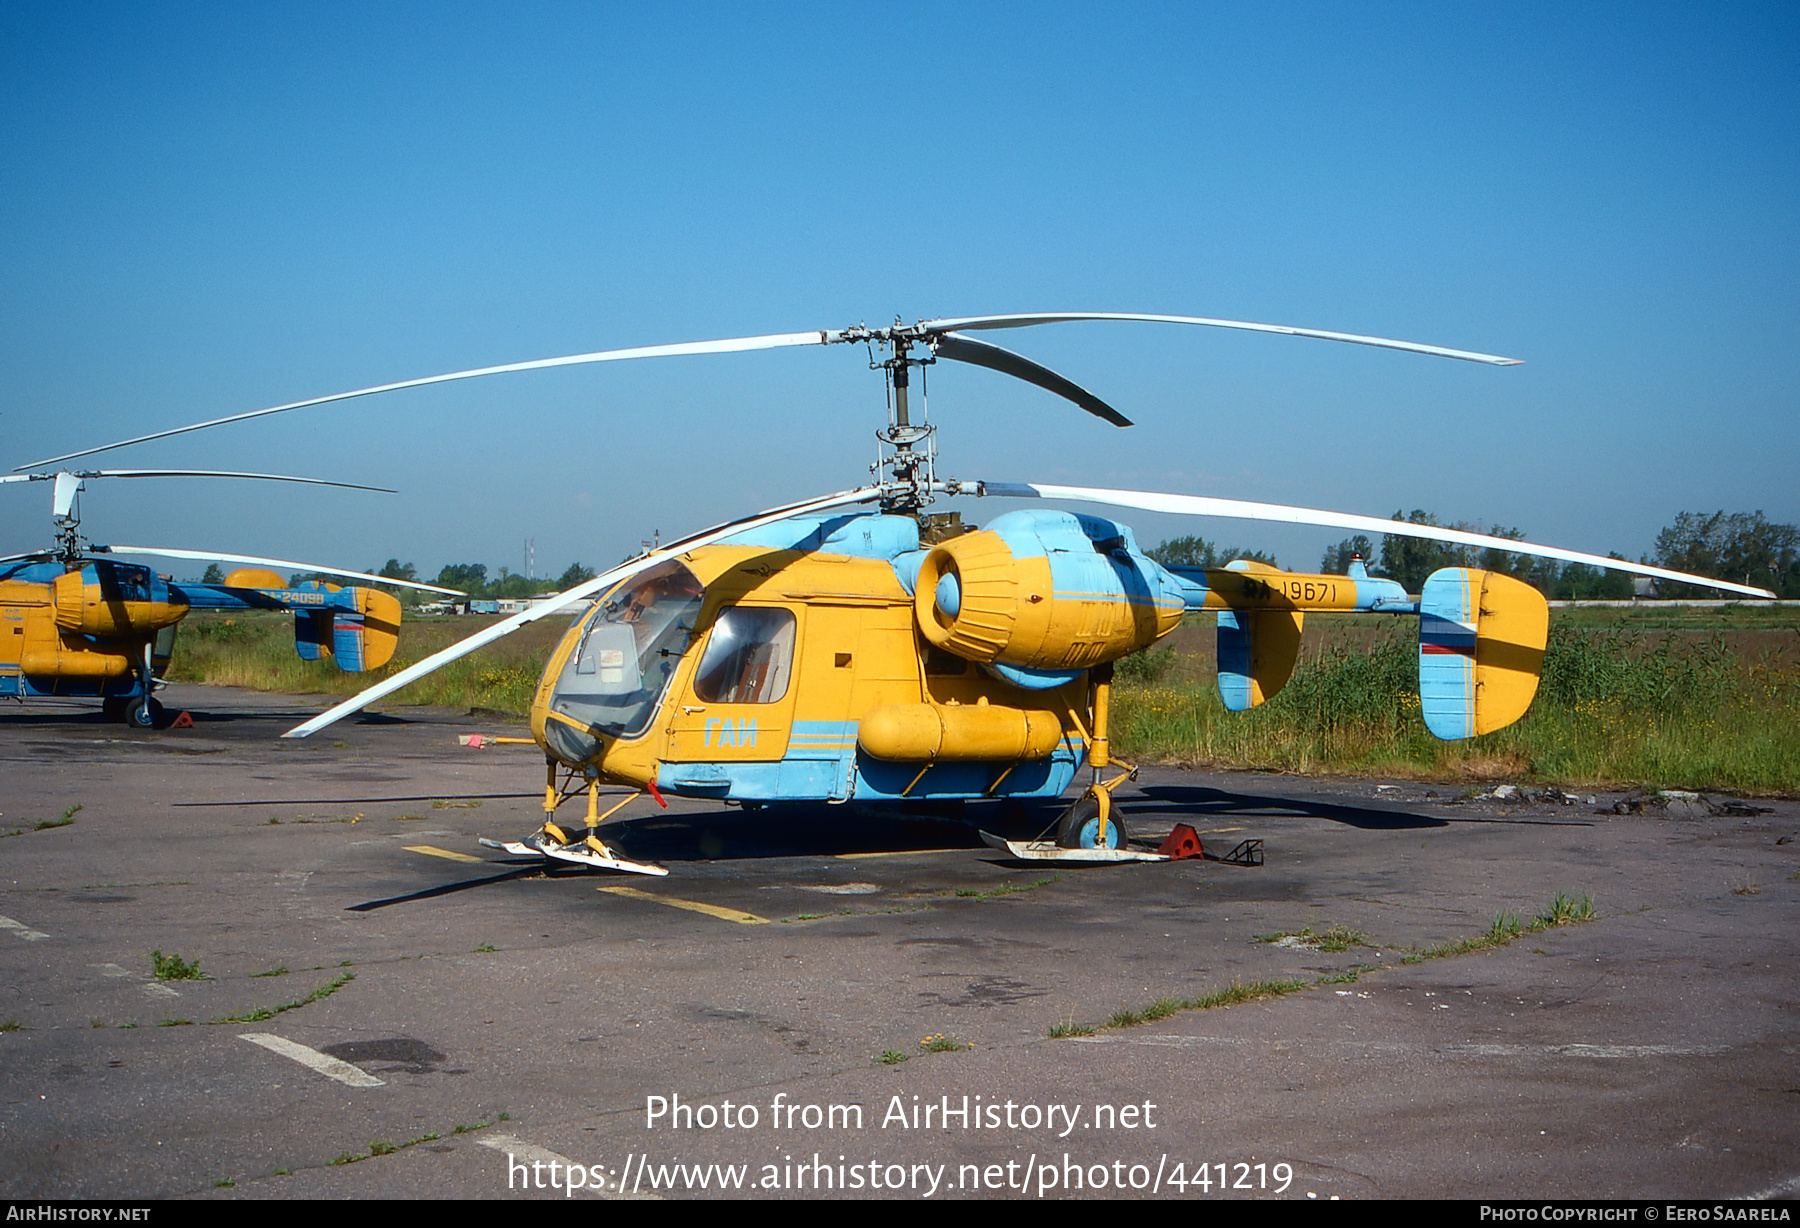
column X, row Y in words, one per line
column 210, row 209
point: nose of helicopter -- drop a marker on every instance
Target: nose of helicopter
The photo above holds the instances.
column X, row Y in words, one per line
column 949, row 595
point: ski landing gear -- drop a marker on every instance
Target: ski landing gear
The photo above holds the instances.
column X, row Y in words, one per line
column 557, row 844
column 1089, row 830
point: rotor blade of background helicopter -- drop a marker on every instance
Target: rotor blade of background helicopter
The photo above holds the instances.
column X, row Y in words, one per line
column 729, row 346
column 30, row 555
column 220, row 473
column 981, row 354
column 252, row 560
column 1066, row 317
column 1238, row 509
column 573, row 596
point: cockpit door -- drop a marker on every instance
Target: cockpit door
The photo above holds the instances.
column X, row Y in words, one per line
column 738, row 705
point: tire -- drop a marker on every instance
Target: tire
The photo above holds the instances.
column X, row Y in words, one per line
column 145, row 714
column 1079, row 827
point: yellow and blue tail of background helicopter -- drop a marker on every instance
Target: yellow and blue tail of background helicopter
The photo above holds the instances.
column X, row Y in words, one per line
column 358, row 628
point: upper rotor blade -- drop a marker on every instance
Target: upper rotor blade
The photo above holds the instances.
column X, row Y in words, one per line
column 729, row 346
column 220, row 473
column 1238, row 509
column 981, row 354
column 1065, row 317
column 569, row 597
column 253, row 560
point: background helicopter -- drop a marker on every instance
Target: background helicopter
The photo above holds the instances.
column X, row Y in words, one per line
column 76, row 621
column 808, row 653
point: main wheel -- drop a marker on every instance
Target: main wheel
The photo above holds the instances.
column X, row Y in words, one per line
column 1079, row 827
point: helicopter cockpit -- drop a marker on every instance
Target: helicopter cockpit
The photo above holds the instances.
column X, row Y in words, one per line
column 628, row 651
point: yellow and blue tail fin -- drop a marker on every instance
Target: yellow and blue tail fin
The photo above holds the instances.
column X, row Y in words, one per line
column 1481, row 650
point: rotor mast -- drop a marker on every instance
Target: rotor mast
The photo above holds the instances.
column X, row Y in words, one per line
column 908, row 473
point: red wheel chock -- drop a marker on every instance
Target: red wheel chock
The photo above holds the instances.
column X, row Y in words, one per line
column 1182, row 843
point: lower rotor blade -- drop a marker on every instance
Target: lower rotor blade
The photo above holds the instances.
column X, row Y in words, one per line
column 968, row 323
column 573, row 596
column 253, row 560
column 981, row 354
column 729, row 346
column 1238, row 509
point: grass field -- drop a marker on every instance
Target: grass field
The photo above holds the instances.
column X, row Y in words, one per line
column 1703, row 699
column 256, row 650
column 1670, row 697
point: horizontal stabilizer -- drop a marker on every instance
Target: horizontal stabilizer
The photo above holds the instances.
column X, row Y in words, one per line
column 1481, row 650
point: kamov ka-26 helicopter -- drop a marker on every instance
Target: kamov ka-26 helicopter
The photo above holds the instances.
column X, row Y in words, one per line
column 77, row 621
column 814, row 653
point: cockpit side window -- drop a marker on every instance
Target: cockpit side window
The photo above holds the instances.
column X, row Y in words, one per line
column 748, row 658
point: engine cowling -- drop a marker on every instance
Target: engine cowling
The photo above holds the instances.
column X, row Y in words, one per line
column 115, row 600
column 1045, row 591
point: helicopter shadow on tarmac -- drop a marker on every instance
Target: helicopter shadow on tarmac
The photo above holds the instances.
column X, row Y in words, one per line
column 1187, row 803
column 1191, row 802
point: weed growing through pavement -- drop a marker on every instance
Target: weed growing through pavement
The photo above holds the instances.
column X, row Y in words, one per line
column 260, row 1013
column 277, row 970
column 1336, row 939
column 10, row 1025
column 891, row 1057
column 175, row 968
column 1007, row 889
column 937, row 1042
column 68, row 817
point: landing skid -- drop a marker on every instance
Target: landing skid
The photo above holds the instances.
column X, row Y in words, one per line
column 578, row 857
column 1048, row 850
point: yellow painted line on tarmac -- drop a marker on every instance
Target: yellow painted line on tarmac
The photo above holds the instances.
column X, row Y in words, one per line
column 434, row 851
column 711, row 910
column 896, row 853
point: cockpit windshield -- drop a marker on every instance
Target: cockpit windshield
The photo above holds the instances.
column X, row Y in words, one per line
column 628, row 651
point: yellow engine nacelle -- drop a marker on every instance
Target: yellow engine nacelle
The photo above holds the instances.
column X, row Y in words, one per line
column 119, row 604
column 1057, row 609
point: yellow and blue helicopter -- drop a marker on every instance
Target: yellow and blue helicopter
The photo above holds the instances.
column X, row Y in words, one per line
column 855, row 648
column 77, row 620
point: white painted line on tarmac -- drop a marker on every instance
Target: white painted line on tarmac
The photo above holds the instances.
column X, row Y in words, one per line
column 22, row 930
column 156, row 989
column 330, row 1067
column 522, row 1155
column 111, row 970
column 1784, row 1189
column 1585, row 1050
